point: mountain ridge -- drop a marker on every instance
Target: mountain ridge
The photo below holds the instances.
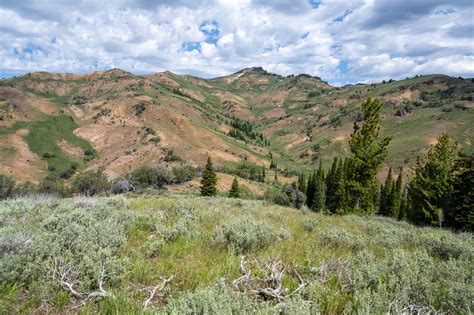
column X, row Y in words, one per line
column 133, row 120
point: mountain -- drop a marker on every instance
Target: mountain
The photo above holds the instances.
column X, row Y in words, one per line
column 54, row 124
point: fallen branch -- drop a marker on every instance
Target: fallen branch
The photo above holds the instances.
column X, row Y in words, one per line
column 156, row 288
column 270, row 284
column 66, row 275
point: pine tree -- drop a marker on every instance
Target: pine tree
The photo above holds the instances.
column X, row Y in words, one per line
column 331, row 187
column 310, row 189
column 386, row 195
column 234, row 191
column 320, row 170
column 460, row 213
column 367, row 156
column 302, row 183
column 430, row 189
column 318, row 198
column 340, row 188
column 402, row 215
column 397, row 196
column 264, row 174
column 335, row 187
column 209, row 180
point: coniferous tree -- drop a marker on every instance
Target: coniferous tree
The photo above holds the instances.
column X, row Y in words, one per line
column 402, row 215
column 302, row 183
column 318, row 199
column 331, row 187
column 397, row 196
column 367, row 156
column 386, row 195
column 460, row 213
column 335, row 190
column 234, row 191
column 209, row 180
column 264, row 175
column 430, row 189
column 310, row 190
column 340, row 196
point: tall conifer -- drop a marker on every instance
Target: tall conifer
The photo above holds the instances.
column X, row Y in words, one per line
column 209, row 180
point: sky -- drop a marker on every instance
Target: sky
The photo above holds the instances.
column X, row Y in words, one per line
column 340, row 41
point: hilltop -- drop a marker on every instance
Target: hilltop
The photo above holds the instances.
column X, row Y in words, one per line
column 54, row 123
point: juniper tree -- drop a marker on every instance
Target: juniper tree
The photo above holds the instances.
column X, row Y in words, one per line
column 367, row 156
column 209, row 180
column 234, row 191
column 430, row 189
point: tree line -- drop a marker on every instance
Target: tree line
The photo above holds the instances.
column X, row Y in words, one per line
column 439, row 193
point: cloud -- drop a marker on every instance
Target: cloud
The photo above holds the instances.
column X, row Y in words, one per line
column 355, row 42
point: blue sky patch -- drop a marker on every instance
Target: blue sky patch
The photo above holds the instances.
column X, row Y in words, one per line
column 190, row 46
column 211, row 30
column 341, row 17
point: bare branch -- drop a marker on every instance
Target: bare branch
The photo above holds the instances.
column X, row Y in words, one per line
column 270, row 284
column 158, row 288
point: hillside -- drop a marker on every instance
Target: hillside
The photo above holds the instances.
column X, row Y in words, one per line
column 57, row 124
column 176, row 254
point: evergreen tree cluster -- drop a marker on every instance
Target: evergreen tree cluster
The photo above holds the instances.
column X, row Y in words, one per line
column 441, row 193
column 244, row 130
column 391, row 196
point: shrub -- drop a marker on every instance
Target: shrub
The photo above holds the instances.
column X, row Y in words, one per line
column 443, row 245
column 90, row 183
column 152, row 249
column 144, row 177
column 184, row 173
column 25, row 189
column 217, row 300
column 7, row 184
column 53, row 240
column 183, row 227
column 341, row 238
column 122, row 185
column 68, row 172
column 309, row 225
column 171, row 157
column 164, row 176
column 282, row 199
column 290, row 196
column 52, row 187
column 246, row 235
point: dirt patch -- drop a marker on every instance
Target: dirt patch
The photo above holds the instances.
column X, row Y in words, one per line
column 71, row 150
column 18, row 160
column 339, row 102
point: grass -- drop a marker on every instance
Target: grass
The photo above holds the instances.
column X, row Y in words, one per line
column 353, row 264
